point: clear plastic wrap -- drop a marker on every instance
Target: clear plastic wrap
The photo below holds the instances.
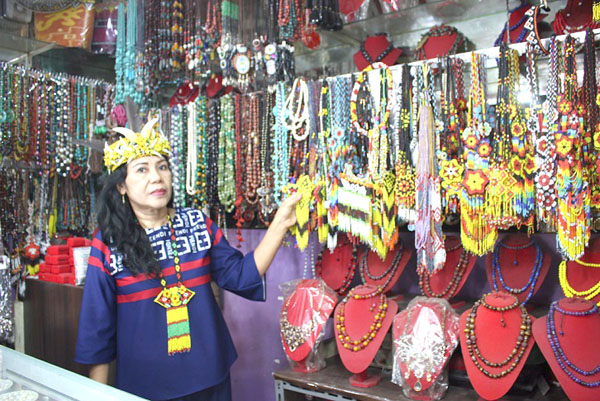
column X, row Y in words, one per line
column 354, row 10
column 6, row 301
column 425, row 334
column 391, row 6
column 306, row 307
column 80, row 263
column 104, row 38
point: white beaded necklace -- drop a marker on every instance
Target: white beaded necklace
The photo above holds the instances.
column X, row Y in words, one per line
column 191, row 166
column 300, row 117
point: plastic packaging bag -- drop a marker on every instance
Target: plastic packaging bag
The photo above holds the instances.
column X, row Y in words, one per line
column 354, row 10
column 391, row 6
column 425, row 334
column 80, row 263
column 104, row 39
column 6, row 301
column 306, row 307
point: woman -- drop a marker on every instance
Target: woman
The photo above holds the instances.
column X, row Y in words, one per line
column 147, row 299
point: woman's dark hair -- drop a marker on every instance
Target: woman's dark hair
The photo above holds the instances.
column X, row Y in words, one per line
column 120, row 227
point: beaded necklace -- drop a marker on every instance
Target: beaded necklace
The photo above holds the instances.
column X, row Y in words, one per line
column 569, row 291
column 266, row 175
column 298, row 120
column 459, row 271
column 429, row 243
column 512, row 360
column 477, row 235
column 253, row 151
column 592, row 119
column 349, row 271
column 535, row 271
column 388, row 273
column 294, row 336
column 405, row 173
column 545, row 146
column 239, row 156
column 281, row 165
column 451, row 169
column 559, row 354
column 345, row 340
column 227, row 155
column 561, row 26
column 436, row 32
column 191, row 164
column 214, row 126
column 573, row 193
column 120, row 52
column 174, row 300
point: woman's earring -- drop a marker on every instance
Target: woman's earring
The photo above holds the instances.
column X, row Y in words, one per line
column 123, row 198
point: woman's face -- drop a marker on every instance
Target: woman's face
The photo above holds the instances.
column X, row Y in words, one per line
column 148, row 183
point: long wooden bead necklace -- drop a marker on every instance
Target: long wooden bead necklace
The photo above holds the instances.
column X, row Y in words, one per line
column 344, row 338
column 253, row 151
column 522, row 341
column 388, row 273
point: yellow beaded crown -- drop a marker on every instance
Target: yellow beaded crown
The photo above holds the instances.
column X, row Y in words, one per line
column 133, row 145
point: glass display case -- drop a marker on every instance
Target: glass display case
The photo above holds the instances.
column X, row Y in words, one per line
column 23, row 377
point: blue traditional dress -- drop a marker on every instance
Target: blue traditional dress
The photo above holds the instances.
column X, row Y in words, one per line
column 119, row 318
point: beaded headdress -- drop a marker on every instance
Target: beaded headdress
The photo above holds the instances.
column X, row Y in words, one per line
column 133, row 145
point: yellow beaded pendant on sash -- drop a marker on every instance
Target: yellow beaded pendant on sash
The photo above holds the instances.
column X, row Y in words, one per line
column 175, row 300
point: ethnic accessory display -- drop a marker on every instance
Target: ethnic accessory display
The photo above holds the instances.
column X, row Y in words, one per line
column 148, row 142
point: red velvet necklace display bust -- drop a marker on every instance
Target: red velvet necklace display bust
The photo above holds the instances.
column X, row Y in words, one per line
column 518, row 266
column 376, row 48
column 361, row 321
column 573, row 325
column 581, row 277
column 303, row 316
column 425, row 335
column 337, row 267
column 384, row 273
column 575, row 17
column 448, row 282
column 502, row 336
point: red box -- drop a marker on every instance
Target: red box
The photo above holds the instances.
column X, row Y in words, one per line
column 57, row 269
column 74, row 242
column 57, row 250
column 57, row 259
column 65, row 278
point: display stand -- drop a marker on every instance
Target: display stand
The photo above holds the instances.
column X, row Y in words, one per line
column 449, row 281
column 497, row 334
column 362, row 320
column 364, row 380
column 517, row 259
column 575, row 326
column 332, row 383
column 384, row 273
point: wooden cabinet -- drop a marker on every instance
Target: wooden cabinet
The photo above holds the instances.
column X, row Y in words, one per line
column 51, row 319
